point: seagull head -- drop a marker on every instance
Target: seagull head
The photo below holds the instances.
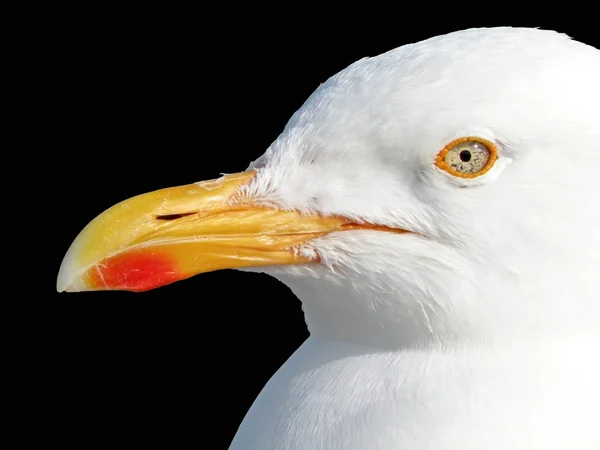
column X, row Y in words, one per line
column 445, row 189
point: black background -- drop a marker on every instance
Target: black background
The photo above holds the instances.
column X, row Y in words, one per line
column 143, row 99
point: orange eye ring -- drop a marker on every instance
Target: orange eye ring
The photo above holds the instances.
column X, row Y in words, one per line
column 485, row 151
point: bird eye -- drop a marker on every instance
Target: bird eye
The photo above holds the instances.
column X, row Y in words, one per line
column 467, row 157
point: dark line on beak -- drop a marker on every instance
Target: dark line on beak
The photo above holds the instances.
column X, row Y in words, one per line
column 173, row 216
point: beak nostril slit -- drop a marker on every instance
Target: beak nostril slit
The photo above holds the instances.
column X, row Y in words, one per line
column 173, row 216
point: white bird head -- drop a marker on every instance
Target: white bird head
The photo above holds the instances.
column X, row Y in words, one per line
column 443, row 189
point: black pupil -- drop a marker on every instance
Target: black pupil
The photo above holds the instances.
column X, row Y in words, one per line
column 465, row 156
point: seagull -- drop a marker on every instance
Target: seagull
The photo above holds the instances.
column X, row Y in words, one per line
column 436, row 209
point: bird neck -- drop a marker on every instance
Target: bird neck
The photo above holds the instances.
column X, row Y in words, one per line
column 334, row 313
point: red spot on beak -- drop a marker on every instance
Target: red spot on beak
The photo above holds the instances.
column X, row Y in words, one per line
column 135, row 270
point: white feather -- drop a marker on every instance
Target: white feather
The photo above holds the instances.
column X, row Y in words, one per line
column 479, row 330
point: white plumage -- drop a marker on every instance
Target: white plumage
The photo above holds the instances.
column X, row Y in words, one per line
column 479, row 329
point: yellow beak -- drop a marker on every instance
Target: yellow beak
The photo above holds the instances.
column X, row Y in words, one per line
column 157, row 238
